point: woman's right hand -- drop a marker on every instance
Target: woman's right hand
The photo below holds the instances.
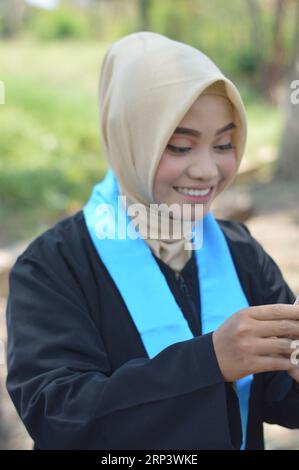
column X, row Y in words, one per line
column 256, row 339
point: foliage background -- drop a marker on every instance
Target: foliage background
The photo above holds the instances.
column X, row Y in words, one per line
column 50, row 152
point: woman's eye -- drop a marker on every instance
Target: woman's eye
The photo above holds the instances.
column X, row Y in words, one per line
column 182, row 150
column 225, row 147
column 175, row 149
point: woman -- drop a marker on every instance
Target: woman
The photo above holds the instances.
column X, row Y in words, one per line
column 176, row 332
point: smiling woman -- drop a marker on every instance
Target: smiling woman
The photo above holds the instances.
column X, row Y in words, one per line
column 133, row 342
column 210, row 160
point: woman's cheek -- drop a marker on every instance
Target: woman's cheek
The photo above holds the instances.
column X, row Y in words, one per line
column 169, row 169
column 229, row 166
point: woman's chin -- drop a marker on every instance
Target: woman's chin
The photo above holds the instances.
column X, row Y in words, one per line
column 191, row 213
column 185, row 211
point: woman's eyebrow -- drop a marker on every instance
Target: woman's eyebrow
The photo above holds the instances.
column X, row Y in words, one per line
column 186, row 131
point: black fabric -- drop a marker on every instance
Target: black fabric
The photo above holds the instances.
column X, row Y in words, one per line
column 78, row 372
column 186, row 292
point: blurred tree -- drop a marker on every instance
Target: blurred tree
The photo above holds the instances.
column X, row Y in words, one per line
column 144, row 10
column 275, row 53
column 256, row 24
column 12, row 13
column 287, row 167
column 274, row 67
column 62, row 23
column 295, row 51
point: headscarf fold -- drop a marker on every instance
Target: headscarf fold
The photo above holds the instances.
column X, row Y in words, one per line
column 148, row 82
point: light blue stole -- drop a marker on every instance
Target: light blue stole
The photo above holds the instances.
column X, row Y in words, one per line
column 150, row 302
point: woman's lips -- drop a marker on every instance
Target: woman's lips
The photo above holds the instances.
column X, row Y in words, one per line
column 198, row 199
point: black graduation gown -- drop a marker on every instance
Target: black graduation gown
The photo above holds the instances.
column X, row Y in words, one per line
column 78, row 372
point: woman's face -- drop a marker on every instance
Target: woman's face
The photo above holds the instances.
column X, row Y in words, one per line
column 200, row 158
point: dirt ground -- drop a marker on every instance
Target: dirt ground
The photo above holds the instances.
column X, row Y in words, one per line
column 274, row 223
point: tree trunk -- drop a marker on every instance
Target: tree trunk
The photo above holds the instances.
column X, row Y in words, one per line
column 295, row 51
column 12, row 12
column 144, row 7
column 274, row 68
column 288, row 157
column 256, row 35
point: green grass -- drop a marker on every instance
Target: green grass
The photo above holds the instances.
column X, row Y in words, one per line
column 50, row 153
column 49, row 138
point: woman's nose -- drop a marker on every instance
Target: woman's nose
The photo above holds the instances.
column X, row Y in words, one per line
column 203, row 167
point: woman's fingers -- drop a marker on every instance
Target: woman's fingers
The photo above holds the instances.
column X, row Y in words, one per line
column 256, row 339
column 284, row 328
column 275, row 312
column 269, row 363
column 270, row 346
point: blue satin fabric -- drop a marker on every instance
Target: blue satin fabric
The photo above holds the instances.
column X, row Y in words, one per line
column 152, row 306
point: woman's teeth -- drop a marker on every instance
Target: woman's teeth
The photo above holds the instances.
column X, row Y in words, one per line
column 194, row 192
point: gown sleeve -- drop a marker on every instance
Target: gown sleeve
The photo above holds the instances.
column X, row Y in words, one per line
column 281, row 393
column 60, row 381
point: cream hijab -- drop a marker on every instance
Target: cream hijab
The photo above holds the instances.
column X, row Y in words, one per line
column 147, row 84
